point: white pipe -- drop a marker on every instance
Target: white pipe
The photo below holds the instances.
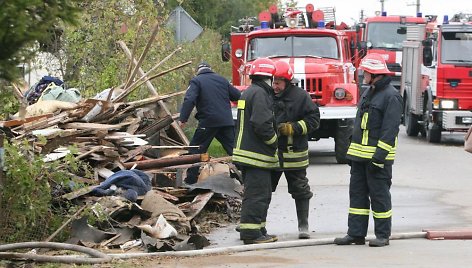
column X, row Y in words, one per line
column 243, row 248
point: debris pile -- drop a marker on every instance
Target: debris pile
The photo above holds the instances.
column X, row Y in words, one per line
column 138, row 156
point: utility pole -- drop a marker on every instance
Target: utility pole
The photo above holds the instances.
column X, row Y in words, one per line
column 418, row 5
column 382, row 5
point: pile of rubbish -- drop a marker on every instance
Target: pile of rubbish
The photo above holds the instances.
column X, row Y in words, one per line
column 139, row 158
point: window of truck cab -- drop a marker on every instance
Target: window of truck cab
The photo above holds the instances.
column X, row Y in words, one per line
column 384, row 35
column 293, row 46
column 455, row 47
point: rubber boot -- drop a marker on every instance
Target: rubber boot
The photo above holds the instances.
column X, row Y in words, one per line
column 303, row 207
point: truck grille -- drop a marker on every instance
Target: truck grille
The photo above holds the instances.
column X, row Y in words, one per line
column 313, row 86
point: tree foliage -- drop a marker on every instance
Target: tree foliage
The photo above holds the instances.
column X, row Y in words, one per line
column 220, row 15
column 24, row 22
column 95, row 61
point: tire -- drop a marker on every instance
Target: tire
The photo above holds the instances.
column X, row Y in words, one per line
column 434, row 134
column 342, row 140
column 411, row 121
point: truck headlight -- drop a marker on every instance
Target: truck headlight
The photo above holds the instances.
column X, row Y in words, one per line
column 339, row 93
column 448, row 104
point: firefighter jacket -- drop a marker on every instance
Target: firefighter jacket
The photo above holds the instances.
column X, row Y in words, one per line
column 294, row 105
column 376, row 127
column 256, row 139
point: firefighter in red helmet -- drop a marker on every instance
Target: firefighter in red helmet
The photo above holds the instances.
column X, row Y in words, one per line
column 296, row 116
column 255, row 151
column 372, row 152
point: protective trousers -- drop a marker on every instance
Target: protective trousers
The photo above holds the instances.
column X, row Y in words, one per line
column 203, row 138
column 256, row 200
column 297, row 182
column 374, row 183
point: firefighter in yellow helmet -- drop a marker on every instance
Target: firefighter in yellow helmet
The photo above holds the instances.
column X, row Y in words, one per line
column 372, row 152
column 296, row 116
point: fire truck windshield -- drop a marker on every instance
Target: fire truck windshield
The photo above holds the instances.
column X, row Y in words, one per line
column 384, row 35
column 293, row 46
column 454, row 47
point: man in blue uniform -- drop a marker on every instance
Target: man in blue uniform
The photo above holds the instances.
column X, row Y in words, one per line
column 211, row 94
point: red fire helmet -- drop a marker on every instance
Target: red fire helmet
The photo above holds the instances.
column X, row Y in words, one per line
column 374, row 63
column 283, row 70
column 263, row 66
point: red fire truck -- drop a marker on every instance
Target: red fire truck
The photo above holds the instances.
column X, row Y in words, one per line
column 385, row 35
column 437, row 79
column 321, row 56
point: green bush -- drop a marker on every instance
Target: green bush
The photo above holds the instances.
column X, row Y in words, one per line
column 29, row 210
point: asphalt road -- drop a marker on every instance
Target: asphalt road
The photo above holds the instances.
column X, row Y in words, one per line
column 431, row 189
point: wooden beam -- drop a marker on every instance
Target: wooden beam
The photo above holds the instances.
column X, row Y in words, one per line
column 167, row 161
column 161, row 103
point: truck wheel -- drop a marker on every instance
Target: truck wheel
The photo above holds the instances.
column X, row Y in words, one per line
column 434, row 134
column 411, row 121
column 342, row 140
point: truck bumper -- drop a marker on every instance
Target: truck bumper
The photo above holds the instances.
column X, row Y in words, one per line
column 460, row 120
column 338, row 112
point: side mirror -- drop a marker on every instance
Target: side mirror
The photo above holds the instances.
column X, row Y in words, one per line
column 225, row 52
column 401, row 30
column 427, row 43
column 362, row 49
column 427, row 52
column 427, row 56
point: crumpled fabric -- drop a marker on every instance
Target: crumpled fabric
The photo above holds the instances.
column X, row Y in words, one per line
column 133, row 182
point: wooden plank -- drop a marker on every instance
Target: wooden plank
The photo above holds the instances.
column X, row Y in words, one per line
column 167, row 161
column 18, row 122
column 93, row 126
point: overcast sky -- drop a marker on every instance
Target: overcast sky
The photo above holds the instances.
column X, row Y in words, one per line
column 349, row 10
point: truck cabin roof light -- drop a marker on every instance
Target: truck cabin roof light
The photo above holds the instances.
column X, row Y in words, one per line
column 419, row 15
column 264, row 25
column 384, row 13
column 446, row 19
column 321, row 24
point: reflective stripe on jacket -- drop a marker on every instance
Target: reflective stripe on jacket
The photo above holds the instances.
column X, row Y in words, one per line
column 294, row 105
column 256, row 140
column 377, row 124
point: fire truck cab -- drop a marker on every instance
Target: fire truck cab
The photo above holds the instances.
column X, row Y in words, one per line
column 321, row 56
column 385, row 35
column 437, row 79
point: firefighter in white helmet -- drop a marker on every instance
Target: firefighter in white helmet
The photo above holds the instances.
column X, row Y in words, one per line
column 296, row 116
column 372, row 152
